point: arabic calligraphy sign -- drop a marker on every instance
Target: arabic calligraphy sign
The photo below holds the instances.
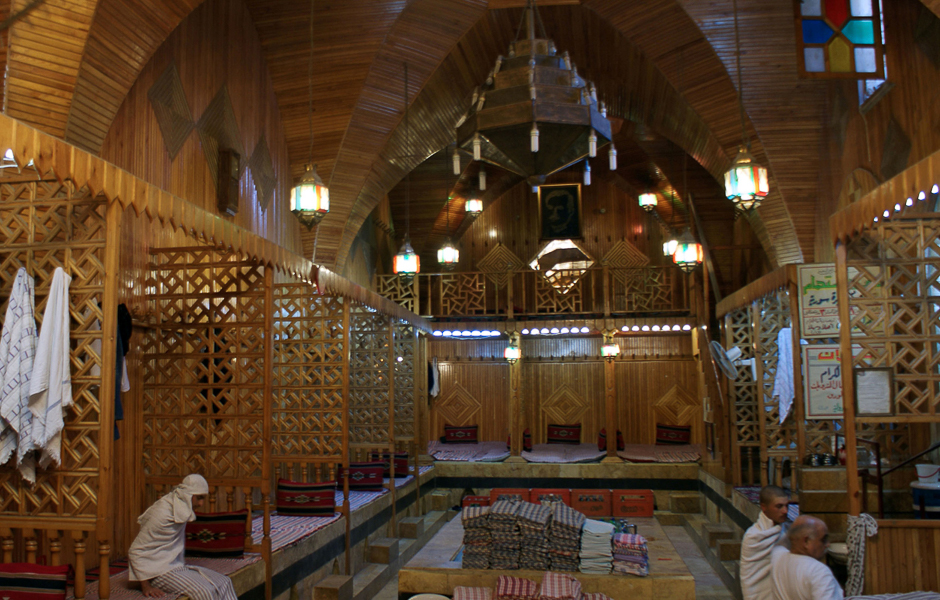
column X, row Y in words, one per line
column 819, row 306
column 822, row 380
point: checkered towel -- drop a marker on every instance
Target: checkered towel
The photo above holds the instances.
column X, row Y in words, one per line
column 533, row 513
column 558, row 586
column 565, row 518
column 472, row 593
column 595, row 596
column 474, row 517
column 516, row 588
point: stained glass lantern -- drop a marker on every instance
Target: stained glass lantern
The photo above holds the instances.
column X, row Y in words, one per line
column 448, row 256
column 610, row 350
column 746, row 181
column 669, row 246
column 473, row 206
column 688, row 253
column 648, row 201
column 513, row 351
column 310, row 198
column 407, row 264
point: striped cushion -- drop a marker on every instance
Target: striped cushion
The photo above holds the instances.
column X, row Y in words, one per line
column 217, row 535
column 673, row 435
column 527, row 440
column 466, row 434
column 564, row 434
column 401, row 463
column 301, row 499
column 365, row 476
column 26, row 581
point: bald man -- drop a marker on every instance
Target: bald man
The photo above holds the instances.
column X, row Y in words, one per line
column 798, row 573
column 759, row 540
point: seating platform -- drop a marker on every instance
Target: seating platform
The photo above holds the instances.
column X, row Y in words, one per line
column 434, row 570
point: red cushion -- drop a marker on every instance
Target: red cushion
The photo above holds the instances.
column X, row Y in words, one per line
column 26, row 581
column 673, row 435
column 602, row 440
column 401, row 463
column 299, row 499
column 466, row 434
column 217, row 535
column 527, row 440
column 620, row 444
column 564, row 434
column 365, row 476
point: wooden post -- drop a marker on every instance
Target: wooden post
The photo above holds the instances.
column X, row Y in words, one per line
column 610, row 403
column 516, row 406
column 392, row 367
column 78, row 543
column 756, row 327
column 105, row 507
column 799, row 412
column 267, row 429
column 345, row 458
column 848, row 379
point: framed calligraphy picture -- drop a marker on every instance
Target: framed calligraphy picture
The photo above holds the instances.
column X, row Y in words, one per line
column 560, row 211
column 822, row 379
column 819, row 304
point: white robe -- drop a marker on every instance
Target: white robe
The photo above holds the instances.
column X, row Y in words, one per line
column 17, row 351
column 758, row 542
column 799, row 577
column 51, row 382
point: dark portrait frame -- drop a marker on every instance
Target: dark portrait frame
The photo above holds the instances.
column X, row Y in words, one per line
column 549, row 197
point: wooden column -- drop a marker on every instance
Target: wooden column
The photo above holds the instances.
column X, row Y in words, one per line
column 848, row 379
column 345, row 459
column 516, row 407
column 610, row 404
column 799, row 411
column 756, row 326
column 267, row 429
column 392, row 365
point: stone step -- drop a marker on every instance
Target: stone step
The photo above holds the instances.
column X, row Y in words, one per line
column 411, row 527
column 728, row 550
column 383, row 551
column 695, row 525
column 712, row 532
column 733, row 567
column 334, row 587
column 685, row 502
column 369, row 580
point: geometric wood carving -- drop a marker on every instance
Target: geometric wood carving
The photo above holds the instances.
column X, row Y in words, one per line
column 499, row 262
column 624, row 255
column 677, row 407
column 262, row 172
column 564, row 406
column 171, row 110
column 218, row 129
column 458, row 407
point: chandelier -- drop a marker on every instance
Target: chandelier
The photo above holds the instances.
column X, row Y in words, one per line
column 534, row 115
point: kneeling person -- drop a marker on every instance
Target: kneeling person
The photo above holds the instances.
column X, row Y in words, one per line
column 156, row 556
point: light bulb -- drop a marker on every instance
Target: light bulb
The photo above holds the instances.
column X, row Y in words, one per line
column 477, row 144
column 535, row 138
column 612, row 154
column 587, row 173
column 482, row 178
column 456, row 159
column 592, row 144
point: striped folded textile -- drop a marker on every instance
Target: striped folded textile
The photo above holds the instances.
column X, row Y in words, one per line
column 595, row 596
column 516, row 588
column 534, row 514
column 475, row 517
column 558, row 586
column 631, row 556
column 472, row 593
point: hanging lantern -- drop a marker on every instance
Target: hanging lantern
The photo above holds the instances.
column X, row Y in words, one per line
column 473, row 206
column 310, row 198
column 513, row 352
column 647, row 201
column 688, row 254
column 448, row 256
column 407, row 264
column 610, row 350
column 746, row 181
column 669, row 246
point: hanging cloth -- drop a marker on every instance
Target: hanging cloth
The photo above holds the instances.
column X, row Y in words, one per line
column 783, row 381
column 51, row 382
column 17, row 352
column 860, row 527
column 436, row 375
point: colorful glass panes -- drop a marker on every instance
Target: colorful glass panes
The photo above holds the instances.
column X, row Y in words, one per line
column 840, row 38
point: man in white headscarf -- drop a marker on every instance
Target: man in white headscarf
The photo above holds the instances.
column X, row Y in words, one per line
column 760, row 539
column 156, row 556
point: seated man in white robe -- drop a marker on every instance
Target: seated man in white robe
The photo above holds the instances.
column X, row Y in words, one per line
column 767, row 532
column 798, row 573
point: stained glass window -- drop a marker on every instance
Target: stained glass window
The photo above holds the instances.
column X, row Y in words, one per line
column 840, row 39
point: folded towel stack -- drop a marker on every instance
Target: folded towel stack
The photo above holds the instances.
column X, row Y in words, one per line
column 558, row 586
column 476, row 537
column 516, row 588
column 505, row 534
column 533, row 520
column 472, row 593
column 631, row 556
column 565, row 537
column 596, row 555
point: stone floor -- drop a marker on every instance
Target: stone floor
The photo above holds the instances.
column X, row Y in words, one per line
column 707, row 584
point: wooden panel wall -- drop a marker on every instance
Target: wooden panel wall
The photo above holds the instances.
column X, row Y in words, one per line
column 564, row 382
column 858, row 141
column 903, row 557
column 216, row 45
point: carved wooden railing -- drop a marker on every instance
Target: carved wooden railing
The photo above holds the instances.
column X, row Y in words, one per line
column 597, row 290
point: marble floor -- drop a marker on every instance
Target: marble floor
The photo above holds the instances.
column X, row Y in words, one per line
column 708, row 586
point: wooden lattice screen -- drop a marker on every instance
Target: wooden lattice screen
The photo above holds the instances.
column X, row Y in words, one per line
column 371, row 412
column 743, row 399
column 310, row 380
column 45, row 224
column 406, row 345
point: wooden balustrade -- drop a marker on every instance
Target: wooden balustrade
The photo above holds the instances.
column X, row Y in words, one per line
column 45, row 546
column 904, row 556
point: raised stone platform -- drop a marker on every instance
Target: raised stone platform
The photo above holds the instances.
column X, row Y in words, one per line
column 433, row 570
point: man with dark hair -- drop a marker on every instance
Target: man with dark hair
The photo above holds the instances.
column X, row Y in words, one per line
column 798, row 573
column 759, row 540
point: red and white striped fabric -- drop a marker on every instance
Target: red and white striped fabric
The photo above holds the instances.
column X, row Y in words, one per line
column 559, row 586
column 472, row 593
column 516, row 588
column 596, row 596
